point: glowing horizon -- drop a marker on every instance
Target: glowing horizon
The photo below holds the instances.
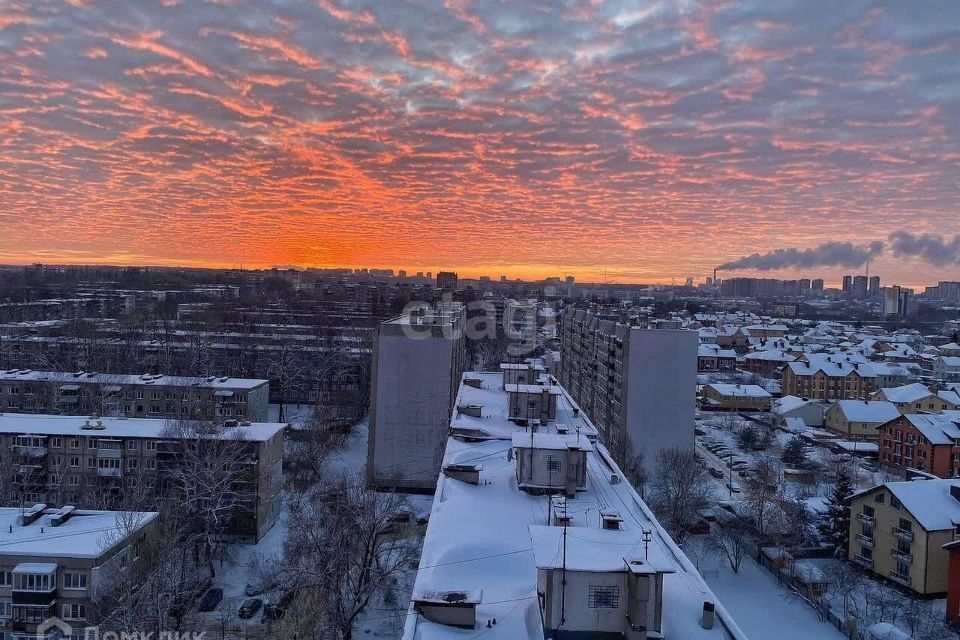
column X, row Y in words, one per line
column 646, row 141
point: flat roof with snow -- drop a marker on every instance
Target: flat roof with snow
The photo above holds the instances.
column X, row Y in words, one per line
column 39, row 424
column 492, row 536
column 85, row 534
column 72, row 379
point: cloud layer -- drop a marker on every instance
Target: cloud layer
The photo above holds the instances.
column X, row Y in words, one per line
column 647, row 138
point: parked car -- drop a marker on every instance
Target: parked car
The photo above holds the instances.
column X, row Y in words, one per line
column 275, row 609
column 249, row 607
column 716, row 473
column 210, row 599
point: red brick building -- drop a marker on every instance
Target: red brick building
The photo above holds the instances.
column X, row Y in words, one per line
column 925, row 442
column 953, row 582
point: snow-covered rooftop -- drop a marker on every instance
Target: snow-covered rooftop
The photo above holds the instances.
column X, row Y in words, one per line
column 492, row 536
column 906, row 393
column 85, row 534
column 158, row 380
column 740, row 390
column 929, row 501
column 872, row 411
column 39, row 424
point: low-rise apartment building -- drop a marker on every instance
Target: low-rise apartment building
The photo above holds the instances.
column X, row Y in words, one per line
column 54, row 563
column 828, row 377
column 79, row 461
column 133, row 396
column 898, row 530
column 736, row 397
column 917, row 398
column 922, row 442
column 859, row 419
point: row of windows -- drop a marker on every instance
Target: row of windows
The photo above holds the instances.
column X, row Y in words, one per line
column 71, row 580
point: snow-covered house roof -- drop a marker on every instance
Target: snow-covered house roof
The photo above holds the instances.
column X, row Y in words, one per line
column 931, row 502
column 490, row 537
column 832, row 365
column 771, row 355
column 937, row 428
column 869, row 411
column 740, row 390
column 907, row 393
column 159, row 380
column 786, row 404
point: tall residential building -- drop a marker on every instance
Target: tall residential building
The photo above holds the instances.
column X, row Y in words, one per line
column 859, row 287
column 817, row 284
column 896, row 301
column 418, row 360
column 447, row 280
column 874, row 286
column 638, row 385
column 847, row 283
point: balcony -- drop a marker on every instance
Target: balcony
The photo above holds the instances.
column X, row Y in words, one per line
column 864, row 562
column 865, row 519
column 109, row 453
column 901, row 556
column 900, row 578
column 109, row 472
column 903, row 534
column 30, row 452
column 866, row 541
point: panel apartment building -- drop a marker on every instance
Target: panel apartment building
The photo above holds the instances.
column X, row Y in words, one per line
column 638, row 385
column 418, row 360
column 53, row 563
column 133, row 396
column 79, row 461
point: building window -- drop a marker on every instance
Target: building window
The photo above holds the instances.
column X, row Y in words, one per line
column 74, row 611
column 131, row 445
column 74, row 580
column 6, row 579
column 553, row 465
column 6, row 609
column 603, row 597
column 878, row 498
column 56, row 443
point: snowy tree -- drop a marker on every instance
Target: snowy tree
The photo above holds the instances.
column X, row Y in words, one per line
column 836, row 525
column 794, row 453
column 680, row 490
column 344, row 552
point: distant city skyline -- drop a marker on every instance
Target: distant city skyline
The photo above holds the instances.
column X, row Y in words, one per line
column 652, row 141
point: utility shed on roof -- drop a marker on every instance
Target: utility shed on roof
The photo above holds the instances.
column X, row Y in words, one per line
column 532, row 402
column 548, row 462
column 604, row 570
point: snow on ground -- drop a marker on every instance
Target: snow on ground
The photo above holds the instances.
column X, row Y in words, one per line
column 295, row 414
column 757, row 602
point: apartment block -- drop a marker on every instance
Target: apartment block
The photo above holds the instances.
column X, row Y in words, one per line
column 419, row 358
column 898, row 531
column 828, row 377
column 133, row 396
column 638, row 385
column 53, row 562
column 79, row 461
column 922, row 442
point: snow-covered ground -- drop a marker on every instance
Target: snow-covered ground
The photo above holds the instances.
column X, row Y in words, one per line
column 758, row 604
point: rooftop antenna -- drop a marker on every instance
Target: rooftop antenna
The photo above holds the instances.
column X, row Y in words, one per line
column 563, row 577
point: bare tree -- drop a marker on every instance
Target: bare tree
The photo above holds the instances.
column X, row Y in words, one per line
column 680, row 490
column 730, row 541
column 209, row 480
column 760, row 489
column 346, row 551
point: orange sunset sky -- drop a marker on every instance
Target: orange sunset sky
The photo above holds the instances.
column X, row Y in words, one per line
column 637, row 141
